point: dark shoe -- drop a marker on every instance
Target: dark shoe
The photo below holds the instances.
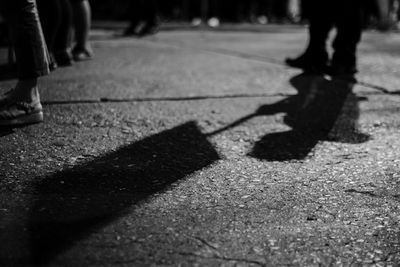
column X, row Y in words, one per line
column 148, row 29
column 63, row 58
column 308, row 63
column 81, row 55
column 21, row 113
column 343, row 73
column 134, row 29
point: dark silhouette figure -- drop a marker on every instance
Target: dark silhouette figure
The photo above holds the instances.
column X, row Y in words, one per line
column 347, row 17
column 311, row 114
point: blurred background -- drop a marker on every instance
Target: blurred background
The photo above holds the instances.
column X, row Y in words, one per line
column 197, row 12
column 213, row 13
column 382, row 15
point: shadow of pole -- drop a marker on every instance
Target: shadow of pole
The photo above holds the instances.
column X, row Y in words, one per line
column 72, row 204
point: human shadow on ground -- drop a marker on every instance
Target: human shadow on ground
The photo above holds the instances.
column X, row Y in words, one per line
column 312, row 114
column 76, row 202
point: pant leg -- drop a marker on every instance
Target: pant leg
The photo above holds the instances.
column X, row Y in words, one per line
column 214, row 8
column 194, row 9
column 150, row 10
column 321, row 21
column 136, row 12
column 63, row 36
column 349, row 22
column 30, row 47
column 50, row 13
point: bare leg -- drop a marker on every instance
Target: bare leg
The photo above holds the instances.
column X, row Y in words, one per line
column 22, row 104
column 82, row 23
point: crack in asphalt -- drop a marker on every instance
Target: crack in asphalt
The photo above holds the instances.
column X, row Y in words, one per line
column 217, row 51
column 261, row 59
column 205, row 242
column 160, row 99
column 224, row 258
column 174, row 99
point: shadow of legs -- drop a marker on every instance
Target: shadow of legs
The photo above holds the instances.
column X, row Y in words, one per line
column 311, row 114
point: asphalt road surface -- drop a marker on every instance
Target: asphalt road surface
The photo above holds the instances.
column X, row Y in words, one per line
column 200, row 148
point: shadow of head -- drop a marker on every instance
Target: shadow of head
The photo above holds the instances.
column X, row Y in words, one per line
column 320, row 108
column 76, row 202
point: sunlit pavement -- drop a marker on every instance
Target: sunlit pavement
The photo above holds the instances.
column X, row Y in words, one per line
column 198, row 147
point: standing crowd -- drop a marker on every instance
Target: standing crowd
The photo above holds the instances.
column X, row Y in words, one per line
column 42, row 39
column 214, row 12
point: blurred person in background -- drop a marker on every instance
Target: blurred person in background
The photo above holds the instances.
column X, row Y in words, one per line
column 82, row 17
column 21, row 105
column 56, row 19
column 143, row 18
column 294, row 10
column 347, row 17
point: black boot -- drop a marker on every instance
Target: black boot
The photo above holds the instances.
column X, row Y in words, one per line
column 343, row 72
column 310, row 62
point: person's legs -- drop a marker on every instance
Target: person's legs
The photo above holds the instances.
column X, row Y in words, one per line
column 50, row 17
column 150, row 12
column 214, row 9
column 82, row 22
column 150, row 16
column 22, row 104
column 321, row 23
column 195, row 9
column 135, row 17
column 63, row 37
column 144, row 18
column 214, row 12
column 315, row 58
column 349, row 29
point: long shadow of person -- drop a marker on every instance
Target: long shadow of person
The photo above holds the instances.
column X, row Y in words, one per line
column 72, row 204
column 311, row 114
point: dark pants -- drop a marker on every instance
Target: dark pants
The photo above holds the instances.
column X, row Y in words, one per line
column 347, row 17
column 56, row 18
column 30, row 47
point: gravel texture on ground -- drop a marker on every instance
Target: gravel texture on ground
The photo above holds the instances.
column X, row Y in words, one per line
column 200, row 148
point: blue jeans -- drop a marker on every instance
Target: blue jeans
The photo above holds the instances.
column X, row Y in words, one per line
column 29, row 44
